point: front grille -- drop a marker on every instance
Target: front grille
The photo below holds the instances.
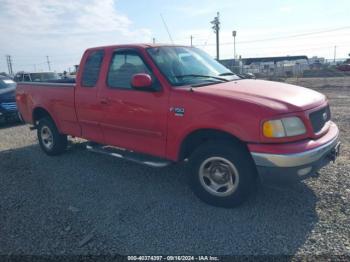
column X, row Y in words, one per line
column 9, row 106
column 319, row 118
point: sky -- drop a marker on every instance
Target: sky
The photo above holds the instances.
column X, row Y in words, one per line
column 31, row 30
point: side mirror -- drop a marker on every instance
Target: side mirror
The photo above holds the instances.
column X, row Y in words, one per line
column 141, row 81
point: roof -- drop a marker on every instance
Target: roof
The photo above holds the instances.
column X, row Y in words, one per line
column 3, row 74
column 274, row 59
column 137, row 45
column 29, row 72
column 4, row 77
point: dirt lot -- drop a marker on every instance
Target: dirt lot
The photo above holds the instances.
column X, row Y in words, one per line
column 82, row 203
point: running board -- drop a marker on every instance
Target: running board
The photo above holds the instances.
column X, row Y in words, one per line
column 128, row 155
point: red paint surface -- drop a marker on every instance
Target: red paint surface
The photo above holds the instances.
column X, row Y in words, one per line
column 144, row 122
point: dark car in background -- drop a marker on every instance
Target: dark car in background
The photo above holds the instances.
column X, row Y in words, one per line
column 36, row 77
column 8, row 107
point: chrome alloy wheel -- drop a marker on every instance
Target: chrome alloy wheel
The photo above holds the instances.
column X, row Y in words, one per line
column 218, row 176
column 46, row 137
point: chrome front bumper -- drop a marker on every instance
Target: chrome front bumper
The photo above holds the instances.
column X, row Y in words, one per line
column 299, row 159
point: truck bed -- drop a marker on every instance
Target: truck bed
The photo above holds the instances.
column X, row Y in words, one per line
column 57, row 98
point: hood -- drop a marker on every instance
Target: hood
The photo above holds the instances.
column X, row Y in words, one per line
column 7, row 95
column 275, row 95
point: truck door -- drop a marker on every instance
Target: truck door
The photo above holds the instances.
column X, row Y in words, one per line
column 88, row 108
column 133, row 119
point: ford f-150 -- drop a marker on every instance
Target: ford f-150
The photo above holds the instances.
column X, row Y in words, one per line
column 159, row 104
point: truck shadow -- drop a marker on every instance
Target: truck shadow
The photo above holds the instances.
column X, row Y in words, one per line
column 133, row 209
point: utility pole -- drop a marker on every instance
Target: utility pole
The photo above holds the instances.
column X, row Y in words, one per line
column 9, row 64
column 216, row 28
column 335, row 53
column 234, row 33
column 191, row 40
column 48, row 62
column 10, row 59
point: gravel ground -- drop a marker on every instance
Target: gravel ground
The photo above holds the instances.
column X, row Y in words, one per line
column 83, row 203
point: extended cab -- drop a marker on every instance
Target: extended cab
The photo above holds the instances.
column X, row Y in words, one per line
column 158, row 105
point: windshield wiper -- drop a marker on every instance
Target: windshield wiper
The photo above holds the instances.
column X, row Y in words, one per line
column 227, row 74
column 205, row 84
column 204, row 76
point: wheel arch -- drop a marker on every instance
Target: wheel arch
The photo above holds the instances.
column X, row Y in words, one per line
column 39, row 113
column 197, row 137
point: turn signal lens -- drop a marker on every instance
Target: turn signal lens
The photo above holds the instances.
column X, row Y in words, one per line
column 285, row 127
column 273, row 128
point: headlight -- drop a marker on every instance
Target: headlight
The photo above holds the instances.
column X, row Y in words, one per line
column 285, row 127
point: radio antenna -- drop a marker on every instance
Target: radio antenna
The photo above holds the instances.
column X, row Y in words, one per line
column 167, row 29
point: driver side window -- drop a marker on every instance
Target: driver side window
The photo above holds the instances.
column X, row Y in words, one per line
column 123, row 66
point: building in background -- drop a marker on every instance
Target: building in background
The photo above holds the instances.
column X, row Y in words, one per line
column 279, row 66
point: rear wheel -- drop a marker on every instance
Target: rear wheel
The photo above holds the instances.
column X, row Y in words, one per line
column 222, row 174
column 50, row 140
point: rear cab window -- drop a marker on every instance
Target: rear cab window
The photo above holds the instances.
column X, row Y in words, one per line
column 92, row 68
column 26, row 78
column 42, row 77
column 18, row 77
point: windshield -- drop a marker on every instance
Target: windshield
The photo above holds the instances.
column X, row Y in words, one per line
column 7, row 83
column 189, row 65
column 41, row 77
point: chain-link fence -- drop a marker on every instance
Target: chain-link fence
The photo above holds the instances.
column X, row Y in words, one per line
column 287, row 69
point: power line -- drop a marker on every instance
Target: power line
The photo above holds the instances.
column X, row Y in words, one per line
column 285, row 37
column 298, row 35
column 38, row 57
column 30, row 64
column 310, row 47
column 207, row 39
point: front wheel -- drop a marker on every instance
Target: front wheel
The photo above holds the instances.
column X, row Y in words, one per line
column 50, row 140
column 222, row 173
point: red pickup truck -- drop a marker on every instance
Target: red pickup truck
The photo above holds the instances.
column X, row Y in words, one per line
column 158, row 104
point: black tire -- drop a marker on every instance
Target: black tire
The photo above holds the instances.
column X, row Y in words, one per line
column 58, row 143
column 225, row 155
